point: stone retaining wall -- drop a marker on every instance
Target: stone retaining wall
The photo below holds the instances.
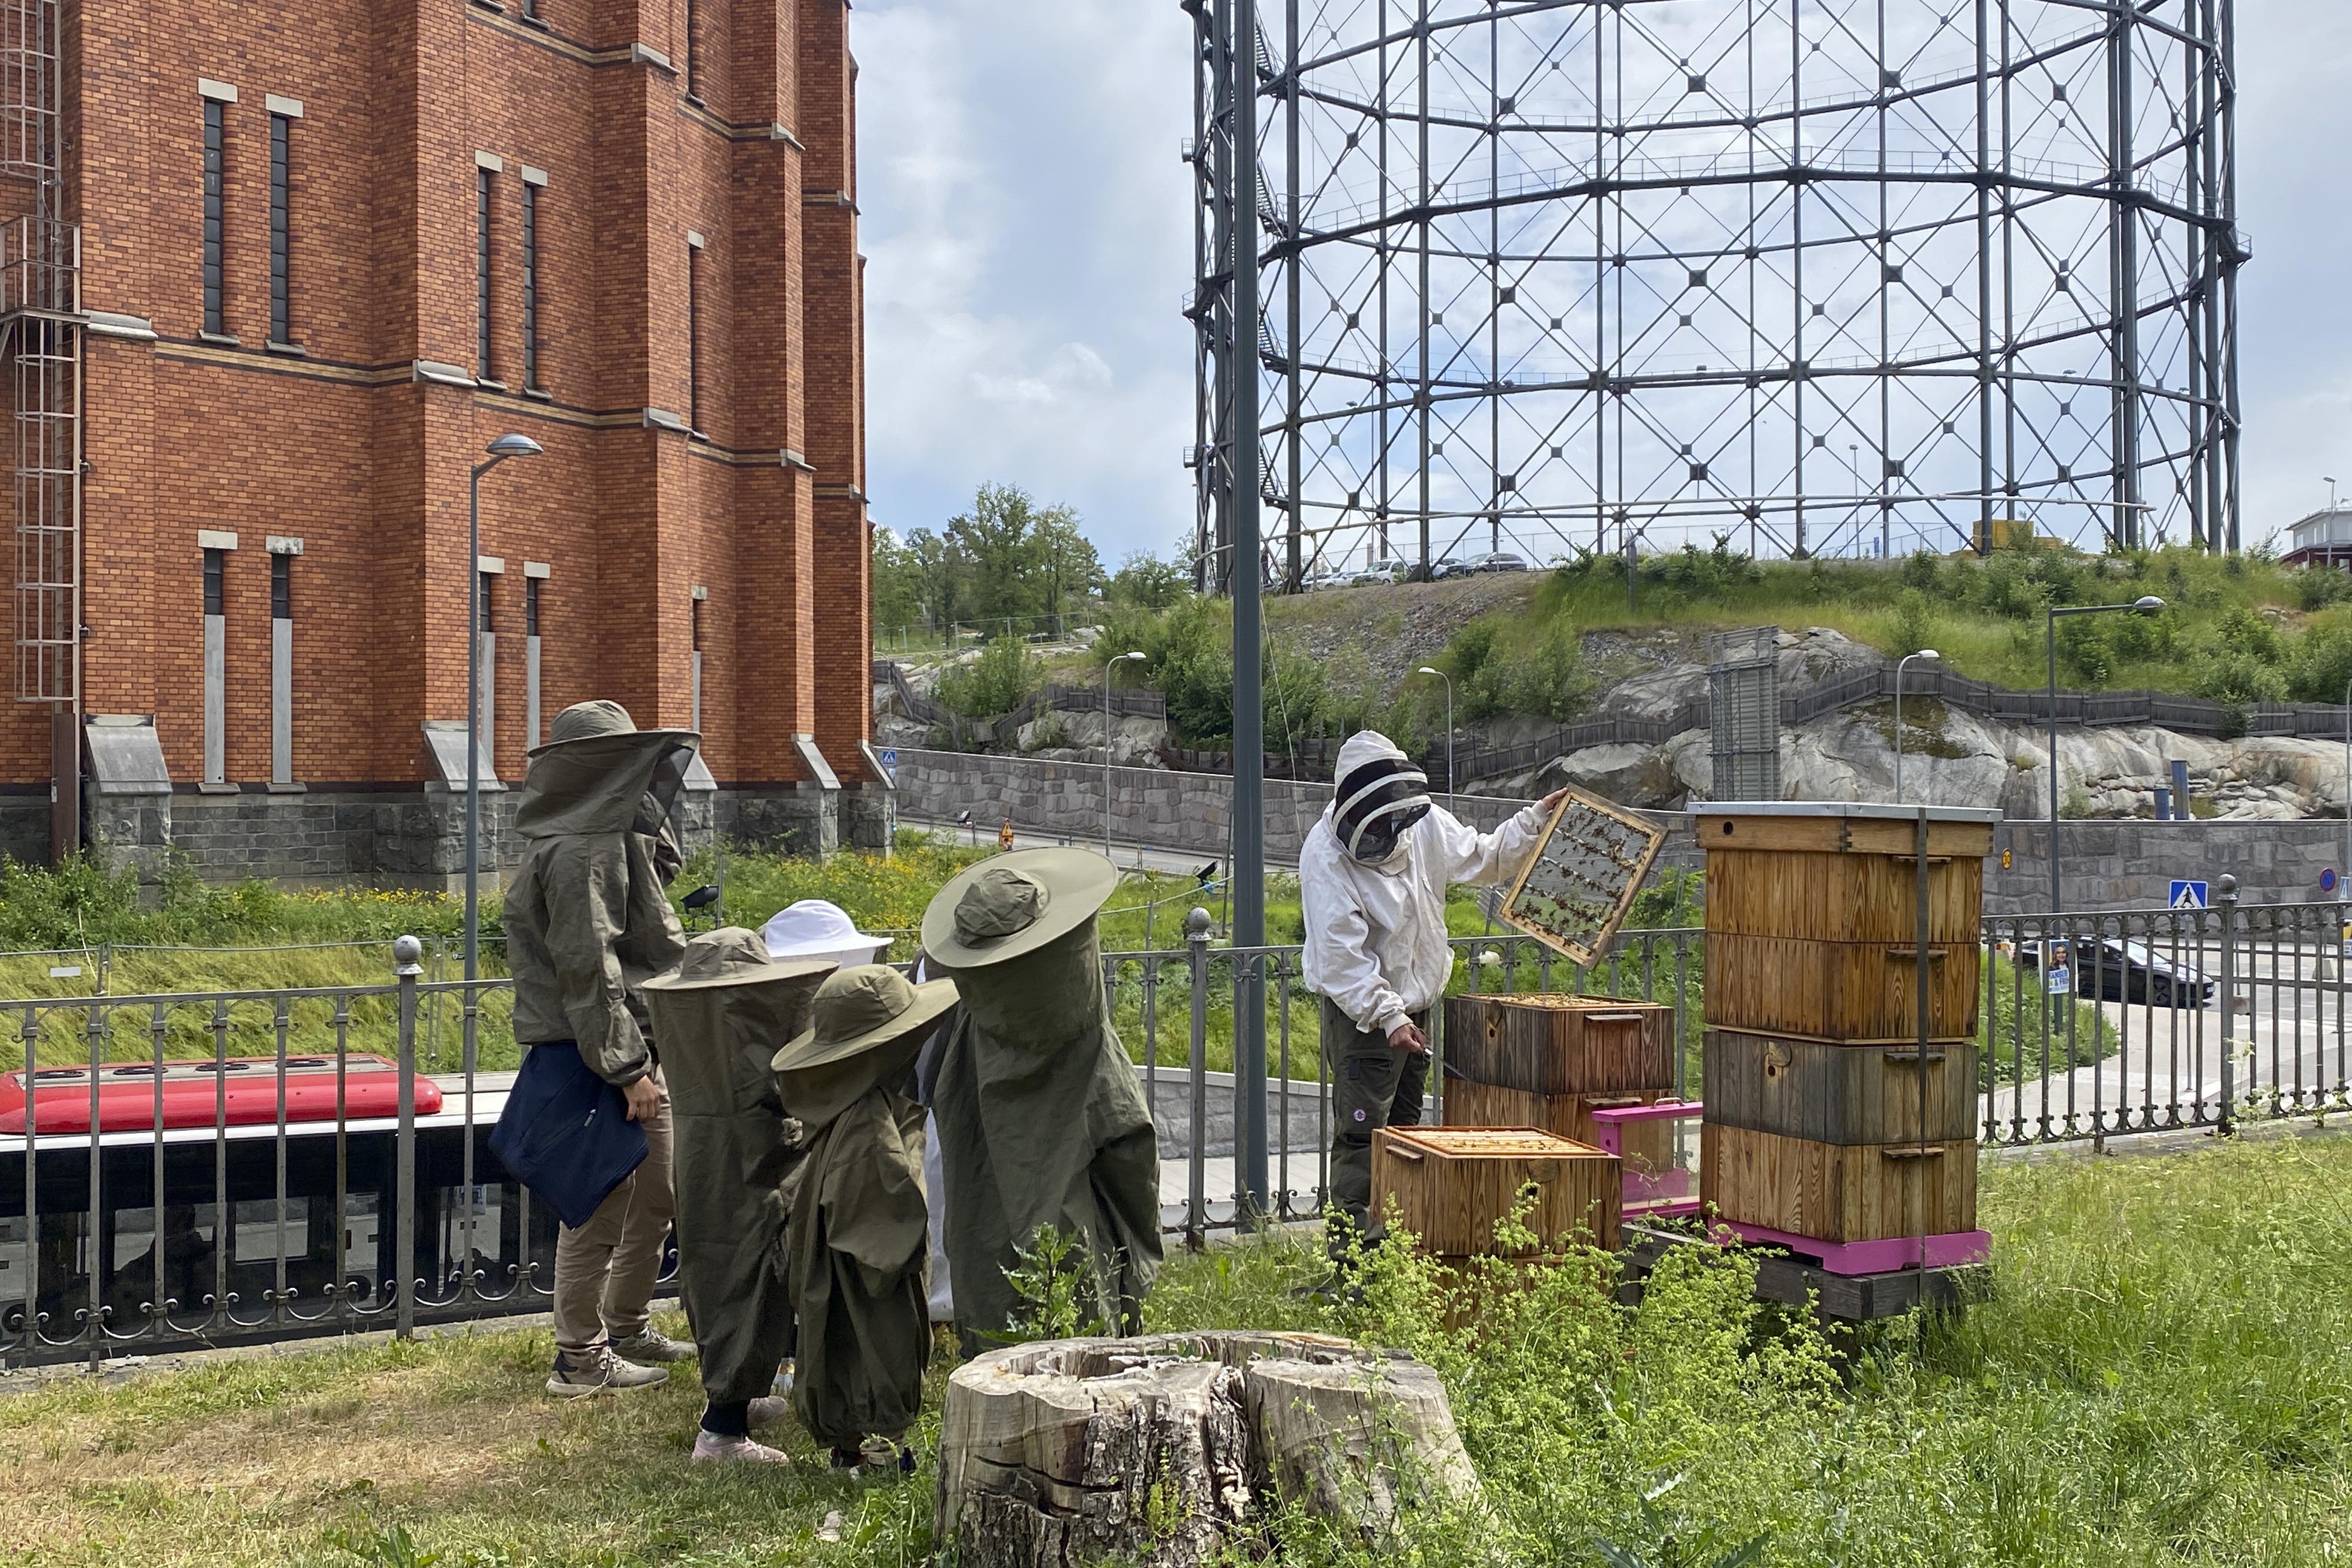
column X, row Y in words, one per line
column 2108, row 864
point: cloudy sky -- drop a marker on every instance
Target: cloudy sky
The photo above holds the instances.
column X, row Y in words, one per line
column 1029, row 230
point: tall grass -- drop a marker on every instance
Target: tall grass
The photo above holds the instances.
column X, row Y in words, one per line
column 2163, row 1376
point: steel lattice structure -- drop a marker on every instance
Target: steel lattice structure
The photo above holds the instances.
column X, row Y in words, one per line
column 1826, row 276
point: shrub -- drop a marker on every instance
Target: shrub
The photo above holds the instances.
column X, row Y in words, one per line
column 1914, row 622
column 996, row 682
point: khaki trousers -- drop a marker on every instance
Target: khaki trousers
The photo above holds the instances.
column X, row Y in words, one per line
column 604, row 1270
column 1374, row 1085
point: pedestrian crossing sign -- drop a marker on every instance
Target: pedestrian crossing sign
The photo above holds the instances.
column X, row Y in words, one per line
column 2188, row 896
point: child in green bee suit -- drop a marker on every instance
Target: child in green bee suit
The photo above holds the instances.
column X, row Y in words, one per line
column 857, row 1235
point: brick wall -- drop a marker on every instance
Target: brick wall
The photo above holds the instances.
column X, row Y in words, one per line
column 347, row 447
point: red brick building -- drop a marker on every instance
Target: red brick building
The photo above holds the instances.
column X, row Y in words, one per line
column 326, row 252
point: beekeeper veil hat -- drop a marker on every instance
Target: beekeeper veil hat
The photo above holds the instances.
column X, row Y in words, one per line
column 1380, row 793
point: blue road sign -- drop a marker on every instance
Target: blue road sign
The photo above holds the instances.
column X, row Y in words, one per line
column 889, row 755
column 2328, row 881
column 2188, row 896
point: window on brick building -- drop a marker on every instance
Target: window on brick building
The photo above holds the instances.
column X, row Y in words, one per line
column 483, row 185
column 281, row 329
column 216, row 669
column 693, row 84
column 529, row 282
column 694, row 333
column 282, row 660
column 530, row 586
column 216, row 125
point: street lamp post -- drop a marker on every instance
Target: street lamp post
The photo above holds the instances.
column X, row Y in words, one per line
column 505, row 446
column 2146, row 604
column 1109, row 669
column 2347, row 784
column 1426, row 669
column 1906, row 658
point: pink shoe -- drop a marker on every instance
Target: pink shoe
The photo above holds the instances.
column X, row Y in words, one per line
column 767, row 1410
column 709, row 1447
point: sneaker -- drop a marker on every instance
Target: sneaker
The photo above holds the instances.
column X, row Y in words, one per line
column 767, row 1410
column 599, row 1371
column 709, row 1449
column 650, row 1347
column 874, row 1459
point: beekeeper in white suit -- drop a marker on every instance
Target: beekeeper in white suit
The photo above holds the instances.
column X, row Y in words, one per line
column 1373, row 878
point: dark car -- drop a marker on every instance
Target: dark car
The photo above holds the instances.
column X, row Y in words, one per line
column 2118, row 971
column 1500, row 561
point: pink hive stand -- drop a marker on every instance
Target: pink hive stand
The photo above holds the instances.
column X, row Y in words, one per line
column 1666, row 1194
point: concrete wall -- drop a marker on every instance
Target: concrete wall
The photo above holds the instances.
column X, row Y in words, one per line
column 1188, row 812
column 2108, row 865
column 2132, row 865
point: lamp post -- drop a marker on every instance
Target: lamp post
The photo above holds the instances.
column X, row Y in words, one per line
column 1109, row 669
column 1906, row 658
column 1427, row 670
column 2146, row 604
column 507, row 446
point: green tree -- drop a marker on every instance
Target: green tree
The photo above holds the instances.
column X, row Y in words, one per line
column 998, row 540
column 1148, row 583
column 897, row 584
column 1067, row 568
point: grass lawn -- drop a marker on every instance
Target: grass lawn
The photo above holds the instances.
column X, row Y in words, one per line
column 2164, row 1377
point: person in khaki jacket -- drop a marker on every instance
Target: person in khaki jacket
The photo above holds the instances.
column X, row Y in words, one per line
column 587, row 925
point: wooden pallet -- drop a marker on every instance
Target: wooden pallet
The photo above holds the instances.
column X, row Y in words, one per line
column 1795, row 1281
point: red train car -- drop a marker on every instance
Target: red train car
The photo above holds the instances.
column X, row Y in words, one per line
column 238, row 1092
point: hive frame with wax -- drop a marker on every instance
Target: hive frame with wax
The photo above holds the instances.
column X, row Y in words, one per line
column 1592, row 853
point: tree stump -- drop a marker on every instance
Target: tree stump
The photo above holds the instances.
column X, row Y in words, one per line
column 1163, row 1448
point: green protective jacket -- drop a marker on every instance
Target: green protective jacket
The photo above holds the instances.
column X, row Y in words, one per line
column 1041, row 1122
column 858, row 1246
column 733, row 1152
column 587, row 920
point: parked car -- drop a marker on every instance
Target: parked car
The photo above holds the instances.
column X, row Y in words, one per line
column 1448, row 566
column 2120, row 971
column 1328, row 578
column 1499, row 561
column 1379, row 571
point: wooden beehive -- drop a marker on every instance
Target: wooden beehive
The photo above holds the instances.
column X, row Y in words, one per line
column 1838, row 1192
column 1448, row 1186
column 1838, row 1093
column 1561, row 1044
column 1645, row 1145
column 1812, row 919
column 1850, row 992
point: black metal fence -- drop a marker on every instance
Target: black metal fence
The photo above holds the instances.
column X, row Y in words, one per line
column 334, row 1195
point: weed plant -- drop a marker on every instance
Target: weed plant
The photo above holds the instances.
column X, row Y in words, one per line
column 2162, row 1377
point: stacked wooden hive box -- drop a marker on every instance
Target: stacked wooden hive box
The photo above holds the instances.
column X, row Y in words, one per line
column 1828, row 1117
column 1550, row 1062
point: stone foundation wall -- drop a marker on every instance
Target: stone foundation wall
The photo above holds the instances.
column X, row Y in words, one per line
column 2107, row 864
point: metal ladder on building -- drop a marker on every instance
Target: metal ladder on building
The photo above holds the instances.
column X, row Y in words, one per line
column 41, row 331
